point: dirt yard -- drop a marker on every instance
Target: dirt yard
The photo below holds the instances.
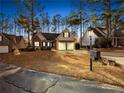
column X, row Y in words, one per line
column 74, row 64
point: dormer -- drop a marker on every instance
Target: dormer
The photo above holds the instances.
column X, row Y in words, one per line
column 66, row 35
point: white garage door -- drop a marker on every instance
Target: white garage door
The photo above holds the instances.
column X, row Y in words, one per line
column 61, row 46
column 66, row 46
column 4, row 49
column 70, row 46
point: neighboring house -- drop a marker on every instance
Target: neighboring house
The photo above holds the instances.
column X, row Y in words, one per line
column 21, row 43
column 63, row 41
column 117, row 36
column 118, row 40
column 10, row 42
column 95, row 33
column 4, row 44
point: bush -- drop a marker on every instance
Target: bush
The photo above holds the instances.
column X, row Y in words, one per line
column 29, row 48
column 103, row 43
column 77, row 46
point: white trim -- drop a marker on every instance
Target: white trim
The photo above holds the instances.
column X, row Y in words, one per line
column 44, row 44
column 36, row 44
column 48, row 44
column 66, row 34
column 0, row 38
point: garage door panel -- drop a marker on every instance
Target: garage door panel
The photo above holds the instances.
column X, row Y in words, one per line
column 70, row 46
column 66, row 46
column 61, row 46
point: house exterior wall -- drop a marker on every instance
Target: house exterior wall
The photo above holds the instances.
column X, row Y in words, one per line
column 43, row 43
column 64, row 42
column 4, row 45
column 86, row 38
column 62, row 38
column 22, row 44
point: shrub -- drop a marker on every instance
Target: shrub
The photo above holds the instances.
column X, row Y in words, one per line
column 102, row 43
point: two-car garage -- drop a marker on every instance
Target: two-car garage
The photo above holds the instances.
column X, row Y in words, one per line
column 66, row 46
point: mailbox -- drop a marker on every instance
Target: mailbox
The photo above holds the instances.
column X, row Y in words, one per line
column 94, row 54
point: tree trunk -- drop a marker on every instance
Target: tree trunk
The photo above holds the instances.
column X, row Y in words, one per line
column 29, row 38
column 108, row 20
column 81, row 31
column 58, row 27
column 32, row 18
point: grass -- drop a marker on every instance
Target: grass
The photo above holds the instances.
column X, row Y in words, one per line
column 75, row 64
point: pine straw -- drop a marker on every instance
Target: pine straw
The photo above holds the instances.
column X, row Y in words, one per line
column 66, row 63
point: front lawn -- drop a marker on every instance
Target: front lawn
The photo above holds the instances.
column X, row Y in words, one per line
column 75, row 64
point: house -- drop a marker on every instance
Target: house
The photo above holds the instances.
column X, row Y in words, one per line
column 118, row 39
column 10, row 42
column 95, row 33
column 62, row 41
column 4, row 48
column 20, row 42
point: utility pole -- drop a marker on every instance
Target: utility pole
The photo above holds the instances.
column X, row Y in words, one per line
column 80, row 24
column 32, row 21
column 91, row 65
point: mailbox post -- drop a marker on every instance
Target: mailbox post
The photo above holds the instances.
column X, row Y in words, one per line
column 91, row 65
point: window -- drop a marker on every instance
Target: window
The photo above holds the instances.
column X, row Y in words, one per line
column 66, row 34
column 0, row 38
column 48, row 44
column 36, row 43
column 43, row 43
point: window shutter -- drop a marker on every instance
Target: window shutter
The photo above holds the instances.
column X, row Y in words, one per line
column 68, row 34
column 63, row 34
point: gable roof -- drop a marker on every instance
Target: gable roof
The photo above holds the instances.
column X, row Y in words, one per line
column 100, row 32
column 11, row 40
column 50, row 36
column 18, row 38
column 97, row 32
column 53, row 36
column 4, row 41
column 62, row 38
column 46, row 36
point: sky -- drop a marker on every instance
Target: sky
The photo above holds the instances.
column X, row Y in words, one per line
column 53, row 7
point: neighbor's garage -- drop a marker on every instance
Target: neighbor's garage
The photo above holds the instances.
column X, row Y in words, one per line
column 66, row 46
column 4, row 49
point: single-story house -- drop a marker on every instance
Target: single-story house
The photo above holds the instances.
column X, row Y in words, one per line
column 62, row 41
column 10, row 42
column 95, row 33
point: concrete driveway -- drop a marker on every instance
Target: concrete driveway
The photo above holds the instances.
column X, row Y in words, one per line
column 118, row 57
column 29, row 81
